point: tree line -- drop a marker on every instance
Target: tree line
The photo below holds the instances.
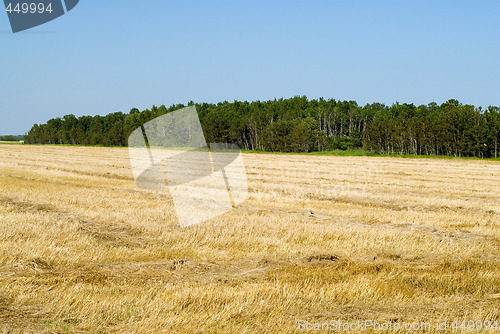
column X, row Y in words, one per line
column 301, row 125
column 11, row 138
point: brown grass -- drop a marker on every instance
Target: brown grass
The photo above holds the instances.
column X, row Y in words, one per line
column 319, row 239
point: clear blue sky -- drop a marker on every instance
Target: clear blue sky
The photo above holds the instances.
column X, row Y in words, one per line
column 107, row 56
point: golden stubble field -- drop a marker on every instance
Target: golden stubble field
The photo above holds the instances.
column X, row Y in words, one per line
column 319, row 238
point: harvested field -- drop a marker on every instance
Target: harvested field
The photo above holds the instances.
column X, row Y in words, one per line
column 319, row 238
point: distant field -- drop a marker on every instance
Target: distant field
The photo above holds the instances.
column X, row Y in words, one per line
column 320, row 238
